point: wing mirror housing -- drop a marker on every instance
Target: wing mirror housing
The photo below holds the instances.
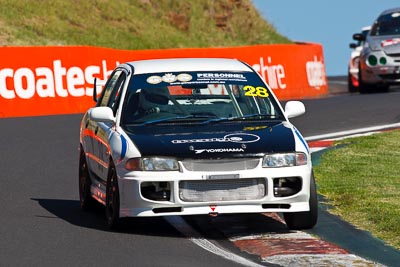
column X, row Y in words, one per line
column 353, row 45
column 294, row 109
column 358, row 37
column 101, row 114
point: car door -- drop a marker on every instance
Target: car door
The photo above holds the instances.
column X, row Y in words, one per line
column 103, row 130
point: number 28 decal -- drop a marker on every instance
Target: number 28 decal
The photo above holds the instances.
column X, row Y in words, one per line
column 255, row 91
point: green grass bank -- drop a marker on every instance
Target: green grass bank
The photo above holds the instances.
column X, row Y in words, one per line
column 361, row 180
column 134, row 24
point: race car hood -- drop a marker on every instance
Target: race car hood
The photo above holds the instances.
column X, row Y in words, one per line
column 390, row 44
column 212, row 141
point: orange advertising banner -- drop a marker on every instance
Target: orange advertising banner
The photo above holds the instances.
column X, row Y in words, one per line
column 36, row 81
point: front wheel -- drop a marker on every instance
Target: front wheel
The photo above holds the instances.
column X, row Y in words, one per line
column 306, row 219
column 112, row 199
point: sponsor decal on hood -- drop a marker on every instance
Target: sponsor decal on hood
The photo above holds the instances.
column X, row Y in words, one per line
column 214, row 140
column 240, row 138
column 219, row 150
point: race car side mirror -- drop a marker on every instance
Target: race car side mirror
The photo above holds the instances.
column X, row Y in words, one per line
column 101, row 114
column 294, row 109
column 353, row 45
column 358, row 37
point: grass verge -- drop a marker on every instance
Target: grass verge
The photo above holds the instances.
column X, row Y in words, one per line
column 360, row 177
column 134, row 24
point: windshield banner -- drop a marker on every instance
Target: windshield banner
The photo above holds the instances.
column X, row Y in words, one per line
column 37, row 81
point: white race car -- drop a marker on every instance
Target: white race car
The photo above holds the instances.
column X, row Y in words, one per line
column 194, row 136
column 379, row 63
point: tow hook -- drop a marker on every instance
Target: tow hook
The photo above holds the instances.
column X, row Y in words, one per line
column 213, row 214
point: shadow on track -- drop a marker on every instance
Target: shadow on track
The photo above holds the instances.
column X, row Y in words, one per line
column 70, row 211
column 209, row 227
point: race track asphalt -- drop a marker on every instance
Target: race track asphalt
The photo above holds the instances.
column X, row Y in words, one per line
column 41, row 223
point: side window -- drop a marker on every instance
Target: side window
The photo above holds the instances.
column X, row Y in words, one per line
column 115, row 96
column 108, row 89
column 111, row 95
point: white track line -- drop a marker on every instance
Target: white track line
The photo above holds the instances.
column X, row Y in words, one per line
column 352, row 132
column 179, row 224
column 343, row 260
column 338, row 82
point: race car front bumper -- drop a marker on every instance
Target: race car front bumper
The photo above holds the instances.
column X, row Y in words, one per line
column 185, row 192
column 378, row 67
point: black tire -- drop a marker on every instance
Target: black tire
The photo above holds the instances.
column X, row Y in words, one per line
column 86, row 200
column 362, row 87
column 351, row 88
column 384, row 88
column 112, row 200
column 306, row 219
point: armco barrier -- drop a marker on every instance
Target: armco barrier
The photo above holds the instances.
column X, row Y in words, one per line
column 38, row 81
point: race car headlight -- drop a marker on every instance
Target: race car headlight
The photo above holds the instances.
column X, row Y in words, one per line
column 160, row 164
column 152, row 164
column 284, row 160
column 372, row 60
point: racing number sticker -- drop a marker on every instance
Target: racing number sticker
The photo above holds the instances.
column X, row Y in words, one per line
column 255, row 91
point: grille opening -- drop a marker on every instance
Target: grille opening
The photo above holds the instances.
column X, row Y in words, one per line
column 222, row 190
column 391, row 76
column 157, row 191
column 393, row 54
column 287, row 186
column 221, row 165
column 275, row 206
column 165, row 210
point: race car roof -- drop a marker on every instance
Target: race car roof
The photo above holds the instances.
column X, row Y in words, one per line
column 391, row 10
column 188, row 64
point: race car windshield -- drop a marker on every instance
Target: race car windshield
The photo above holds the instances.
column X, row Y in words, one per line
column 230, row 99
column 388, row 24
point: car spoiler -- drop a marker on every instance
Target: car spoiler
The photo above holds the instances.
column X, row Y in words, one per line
column 97, row 83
